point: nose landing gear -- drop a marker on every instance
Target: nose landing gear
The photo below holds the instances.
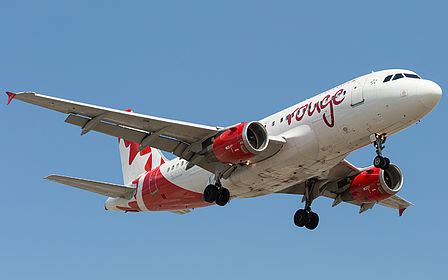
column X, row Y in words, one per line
column 216, row 193
column 378, row 142
column 306, row 217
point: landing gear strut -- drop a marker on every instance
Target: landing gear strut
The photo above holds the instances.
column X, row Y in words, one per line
column 378, row 142
column 306, row 217
column 216, row 193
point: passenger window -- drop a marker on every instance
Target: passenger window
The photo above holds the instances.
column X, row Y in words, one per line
column 273, row 123
column 387, row 79
column 398, row 76
column 413, row 76
column 281, row 120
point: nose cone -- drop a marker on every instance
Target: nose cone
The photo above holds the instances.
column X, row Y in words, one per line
column 429, row 93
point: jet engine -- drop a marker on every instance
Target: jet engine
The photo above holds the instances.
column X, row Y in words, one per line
column 375, row 184
column 240, row 143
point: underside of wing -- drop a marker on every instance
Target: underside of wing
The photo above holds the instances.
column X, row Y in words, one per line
column 180, row 138
column 342, row 170
column 183, row 131
column 107, row 189
column 396, row 202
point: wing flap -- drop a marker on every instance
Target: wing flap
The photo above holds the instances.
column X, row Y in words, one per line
column 134, row 135
column 107, row 189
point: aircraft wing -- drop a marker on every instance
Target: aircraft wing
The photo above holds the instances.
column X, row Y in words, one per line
column 186, row 140
column 107, row 189
column 81, row 112
column 395, row 202
column 331, row 187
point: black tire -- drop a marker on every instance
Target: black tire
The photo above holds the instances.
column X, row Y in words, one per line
column 223, row 197
column 210, row 193
column 300, row 218
column 378, row 162
column 386, row 163
column 313, row 221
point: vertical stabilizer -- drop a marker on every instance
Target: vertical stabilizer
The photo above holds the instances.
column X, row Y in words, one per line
column 135, row 163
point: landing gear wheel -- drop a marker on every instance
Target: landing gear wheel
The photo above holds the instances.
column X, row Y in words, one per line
column 313, row 221
column 306, row 217
column 211, row 193
column 300, row 218
column 217, row 193
column 381, row 162
column 378, row 142
column 223, row 197
column 378, row 162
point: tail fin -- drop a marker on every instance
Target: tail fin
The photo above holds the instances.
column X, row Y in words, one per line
column 135, row 163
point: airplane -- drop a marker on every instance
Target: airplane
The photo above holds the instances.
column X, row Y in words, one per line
column 300, row 150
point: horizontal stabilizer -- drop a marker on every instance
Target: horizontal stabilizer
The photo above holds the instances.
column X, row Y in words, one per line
column 107, row 189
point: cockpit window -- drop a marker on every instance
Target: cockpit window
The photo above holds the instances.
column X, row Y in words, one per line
column 401, row 75
column 413, row 76
column 398, row 76
column 387, row 79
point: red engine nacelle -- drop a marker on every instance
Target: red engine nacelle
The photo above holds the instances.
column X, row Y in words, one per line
column 375, row 184
column 240, row 143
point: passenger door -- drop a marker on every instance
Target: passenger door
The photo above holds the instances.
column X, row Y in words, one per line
column 357, row 96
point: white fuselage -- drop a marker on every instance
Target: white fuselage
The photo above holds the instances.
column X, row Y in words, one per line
column 320, row 132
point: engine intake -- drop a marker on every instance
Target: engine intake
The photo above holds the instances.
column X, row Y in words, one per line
column 375, row 184
column 241, row 142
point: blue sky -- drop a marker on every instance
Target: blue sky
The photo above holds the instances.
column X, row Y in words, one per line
column 217, row 64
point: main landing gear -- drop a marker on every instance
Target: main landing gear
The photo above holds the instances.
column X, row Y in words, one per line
column 378, row 142
column 306, row 217
column 216, row 193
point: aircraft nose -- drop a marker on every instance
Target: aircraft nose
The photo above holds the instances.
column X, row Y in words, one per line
column 429, row 93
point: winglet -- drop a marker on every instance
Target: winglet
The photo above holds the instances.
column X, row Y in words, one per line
column 400, row 211
column 10, row 97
